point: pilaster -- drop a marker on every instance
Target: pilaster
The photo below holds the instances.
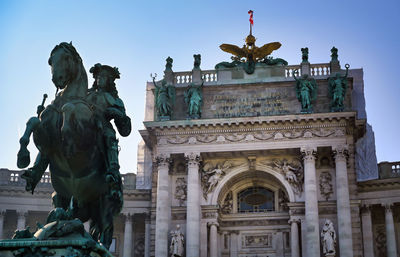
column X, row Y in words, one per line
column 128, row 236
column 367, row 235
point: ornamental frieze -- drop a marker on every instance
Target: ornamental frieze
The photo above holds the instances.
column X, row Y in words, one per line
column 258, row 222
column 223, row 137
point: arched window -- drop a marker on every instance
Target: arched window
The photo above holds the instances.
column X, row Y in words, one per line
column 256, row 199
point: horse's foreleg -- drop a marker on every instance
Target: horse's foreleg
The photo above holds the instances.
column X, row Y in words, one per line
column 23, row 159
column 34, row 174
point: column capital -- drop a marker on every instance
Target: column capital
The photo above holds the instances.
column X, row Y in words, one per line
column 308, row 153
column 128, row 217
column 294, row 220
column 22, row 214
column 388, row 207
column 193, row 158
column 162, row 160
column 366, row 209
column 340, row 152
column 213, row 223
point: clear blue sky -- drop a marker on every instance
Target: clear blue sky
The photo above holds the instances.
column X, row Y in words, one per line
column 137, row 36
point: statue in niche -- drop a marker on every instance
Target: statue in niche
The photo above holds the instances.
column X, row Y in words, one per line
column 165, row 99
column 306, row 91
column 227, row 206
column 181, row 190
column 293, row 174
column 325, row 185
column 197, row 61
column 168, row 65
column 334, row 54
column 337, row 90
column 177, row 242
column 304, row 54
column 193, row 97
column 328, row 239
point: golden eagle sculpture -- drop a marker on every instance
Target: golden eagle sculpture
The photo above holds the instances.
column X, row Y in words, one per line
column 250, row 51
column 249, row 55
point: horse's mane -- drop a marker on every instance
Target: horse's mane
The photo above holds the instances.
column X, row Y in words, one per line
column 69, row 48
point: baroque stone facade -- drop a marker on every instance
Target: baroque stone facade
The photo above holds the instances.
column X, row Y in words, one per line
column 254, row 175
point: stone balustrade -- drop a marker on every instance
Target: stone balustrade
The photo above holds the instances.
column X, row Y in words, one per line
column 184, row 77
column 13, row 178
column 289, row 70
column 389, row 169
column 209, row 76
column 320, row 69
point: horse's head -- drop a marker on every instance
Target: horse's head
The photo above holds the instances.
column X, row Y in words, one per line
column 64, row 61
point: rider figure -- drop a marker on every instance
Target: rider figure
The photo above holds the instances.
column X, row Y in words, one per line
column 104, row 97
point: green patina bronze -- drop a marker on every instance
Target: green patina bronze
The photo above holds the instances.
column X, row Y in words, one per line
column 165, row 99
column 197, row 61
column 76, row 140
column 334, row 54
column 306, row 92
column 304, row 54
column 194, row 99
column 337, row 90
column 168, row 65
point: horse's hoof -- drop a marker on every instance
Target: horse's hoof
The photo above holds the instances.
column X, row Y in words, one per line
column 23, row 159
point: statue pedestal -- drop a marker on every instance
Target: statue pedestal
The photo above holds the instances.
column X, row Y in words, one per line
column 58, row 247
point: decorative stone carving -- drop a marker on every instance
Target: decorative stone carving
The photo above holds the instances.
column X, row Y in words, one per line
column 308, row 153
column 177, row 242
column 212, row 174
column 283, row 199
column 162, row 160
column 181, row 190
column 257, row 241
column 209, row 215
column 227, row 206
column 293, row 173
column 380, row 240
column 139, row 246
column 235, row 137
column 325, row 185
column 328, row 239
column 193, row 159
column 365, row 157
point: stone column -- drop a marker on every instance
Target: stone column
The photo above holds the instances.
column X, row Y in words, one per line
column 193, row 206
column 21, row 219
column 147, row 229
column 163, row 209
column 128, row 236
column 234, row 244
column 311, row 203
column 367, row 231
column 2, row 215
column 294, row 237
column 343, row 202
column 213, row 239
column 390, row 234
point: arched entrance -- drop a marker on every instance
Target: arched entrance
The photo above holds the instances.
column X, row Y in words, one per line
column 253, row 215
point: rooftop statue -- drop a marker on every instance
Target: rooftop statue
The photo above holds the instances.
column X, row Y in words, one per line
column 306, row 91
column 334, row 54
column 249, row 55
column 197, row 61
column 337, row 90
column 165, row 99
column 194, row 99
column 304, row 54
column 76, row 141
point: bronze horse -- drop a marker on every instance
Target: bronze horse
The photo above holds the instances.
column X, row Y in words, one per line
column 70, row 143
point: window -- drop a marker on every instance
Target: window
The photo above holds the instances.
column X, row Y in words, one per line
column 256, row 199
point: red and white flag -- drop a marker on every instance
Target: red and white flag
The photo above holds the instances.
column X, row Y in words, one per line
column 251, row 17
